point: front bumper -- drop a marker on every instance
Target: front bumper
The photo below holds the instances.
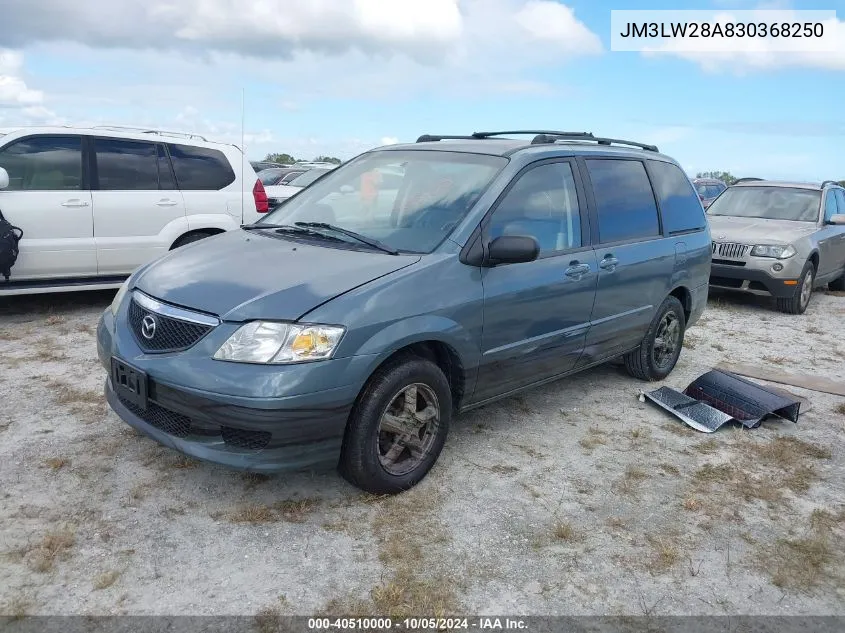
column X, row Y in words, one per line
column 752, row 280
column 242, row 438
column 248, row 417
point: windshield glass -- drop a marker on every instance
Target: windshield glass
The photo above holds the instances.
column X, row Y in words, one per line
column 773, row 203
column 270, row 176
column 308, row 177
column 409, row 200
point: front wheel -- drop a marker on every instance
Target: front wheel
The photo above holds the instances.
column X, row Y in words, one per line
column 398, row 427
column 660, row 349
column 800, row 299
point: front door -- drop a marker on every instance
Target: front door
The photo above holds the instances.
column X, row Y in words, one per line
column 536, row 314
column 136, row 204
column 831, row 239
column 48, row 199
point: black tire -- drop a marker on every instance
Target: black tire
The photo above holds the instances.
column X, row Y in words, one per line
column 838, row 284
column 191, row 237
column 653, row 360
column 798, row 302
column 361, row 460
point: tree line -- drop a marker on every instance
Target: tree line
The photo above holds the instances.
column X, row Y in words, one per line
column 287, row 159
column 728, row 178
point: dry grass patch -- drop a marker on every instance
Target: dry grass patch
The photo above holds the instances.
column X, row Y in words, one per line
column 670, row 469
column 106, row 580
column 678, row 428
column 776, row 360
column 253, row 514
column 663, row 556
column 564, row 531
column 183, row 462
column 629, row 483
column 690, row 341
column 54, row 546
column 16, row 607
column 502, row 469
column 55, row 319
column 296, row 510
column 707, row 447
column 789, row 451
column 692, row 504
column 617, row 523
column 802, row 564
column 841, row 409
column 594, row 437
column 253, row 479
column 403, row 596
column 57, row 463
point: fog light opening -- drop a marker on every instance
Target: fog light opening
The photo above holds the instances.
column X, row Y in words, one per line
column 777, row 267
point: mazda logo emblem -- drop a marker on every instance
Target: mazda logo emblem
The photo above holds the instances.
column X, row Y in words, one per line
column 148, row 327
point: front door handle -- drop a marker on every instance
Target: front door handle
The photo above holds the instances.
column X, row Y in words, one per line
column 75, row 203
column 609, row 262
column 577, row 270
column 167, row 202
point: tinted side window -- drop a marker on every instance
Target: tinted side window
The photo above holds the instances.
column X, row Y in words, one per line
column 830, row 206
column 679, row 202
column 126, row 165
column 840, row 199
column 166, row 180
column 624, row 200
column 543, row 204
column 200, row 169
column 44, row 163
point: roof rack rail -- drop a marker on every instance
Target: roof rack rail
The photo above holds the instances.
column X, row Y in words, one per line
column 736, row 182
column 830, row 182
column 144, row 130
column 427, row 138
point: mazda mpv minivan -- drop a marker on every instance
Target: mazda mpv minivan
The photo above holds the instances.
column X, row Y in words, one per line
column 351, row 325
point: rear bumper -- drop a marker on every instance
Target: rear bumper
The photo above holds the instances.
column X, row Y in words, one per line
column 242, row 438
column 754, row 281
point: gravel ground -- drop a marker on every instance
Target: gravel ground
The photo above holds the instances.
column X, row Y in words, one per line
column 571, row 499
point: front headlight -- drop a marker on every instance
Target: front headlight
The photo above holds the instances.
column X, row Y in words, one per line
column 118, row 298
column 773, row 250
column 272, row 342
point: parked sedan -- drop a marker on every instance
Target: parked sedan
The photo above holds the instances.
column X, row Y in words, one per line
column 779, row 239
column 279, row 175
column 277, row 194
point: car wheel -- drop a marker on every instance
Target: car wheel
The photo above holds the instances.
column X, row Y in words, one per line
column 800, row 299
column 838, row 284
column 397, row 427
column 658, row 353
column 192, row 237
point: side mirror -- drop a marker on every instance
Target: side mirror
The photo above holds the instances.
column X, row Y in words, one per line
column 512, row 249
column 838, row 218
column 4, row 178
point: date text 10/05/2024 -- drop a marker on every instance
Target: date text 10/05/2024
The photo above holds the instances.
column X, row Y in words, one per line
column 417, row 624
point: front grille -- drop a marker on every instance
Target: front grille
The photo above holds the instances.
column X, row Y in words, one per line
column 726, row 282
column 255, row 440
column 730, row 250
column 168, row 334
column 728, row 262
column 163, row 419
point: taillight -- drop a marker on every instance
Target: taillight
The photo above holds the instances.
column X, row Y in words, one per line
column 261, row 203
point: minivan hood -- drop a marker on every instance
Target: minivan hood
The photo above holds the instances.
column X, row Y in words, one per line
column 726, row 228
column 242, row 275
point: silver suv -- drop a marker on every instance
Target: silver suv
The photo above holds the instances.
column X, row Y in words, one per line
column 780, row 239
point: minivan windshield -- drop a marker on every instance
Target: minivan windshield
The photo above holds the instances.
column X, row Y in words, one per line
column 409, row 200
column 773, row 203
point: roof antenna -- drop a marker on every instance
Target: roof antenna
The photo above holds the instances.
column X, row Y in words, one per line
column 243, row 150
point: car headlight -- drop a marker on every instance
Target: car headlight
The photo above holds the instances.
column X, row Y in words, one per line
column 278, row 343
column 773, row 250
column 118, row 298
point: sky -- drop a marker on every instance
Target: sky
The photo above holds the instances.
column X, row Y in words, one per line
column 338, row 77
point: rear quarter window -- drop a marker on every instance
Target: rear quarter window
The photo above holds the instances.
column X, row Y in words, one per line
column 679, row 203
column 624, row 200
column 200, row 168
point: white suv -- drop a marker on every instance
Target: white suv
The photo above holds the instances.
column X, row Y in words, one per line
column 96, row 203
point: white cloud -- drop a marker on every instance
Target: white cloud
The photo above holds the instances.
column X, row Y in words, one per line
column 427, row 31
column 742, row 55
column 13, row 90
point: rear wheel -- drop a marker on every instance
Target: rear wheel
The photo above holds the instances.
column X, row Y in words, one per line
column 800, row 299
column 660, row 349
column 838, row 284
column 398, row 427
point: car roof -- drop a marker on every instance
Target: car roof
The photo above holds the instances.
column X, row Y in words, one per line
column 129, row 133
column 509, row 146
column 815, row 186
column 708, row 181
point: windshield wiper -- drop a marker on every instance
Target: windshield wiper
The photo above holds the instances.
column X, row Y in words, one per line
column 296, row 230
column 356, row 236
column 252, row 227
